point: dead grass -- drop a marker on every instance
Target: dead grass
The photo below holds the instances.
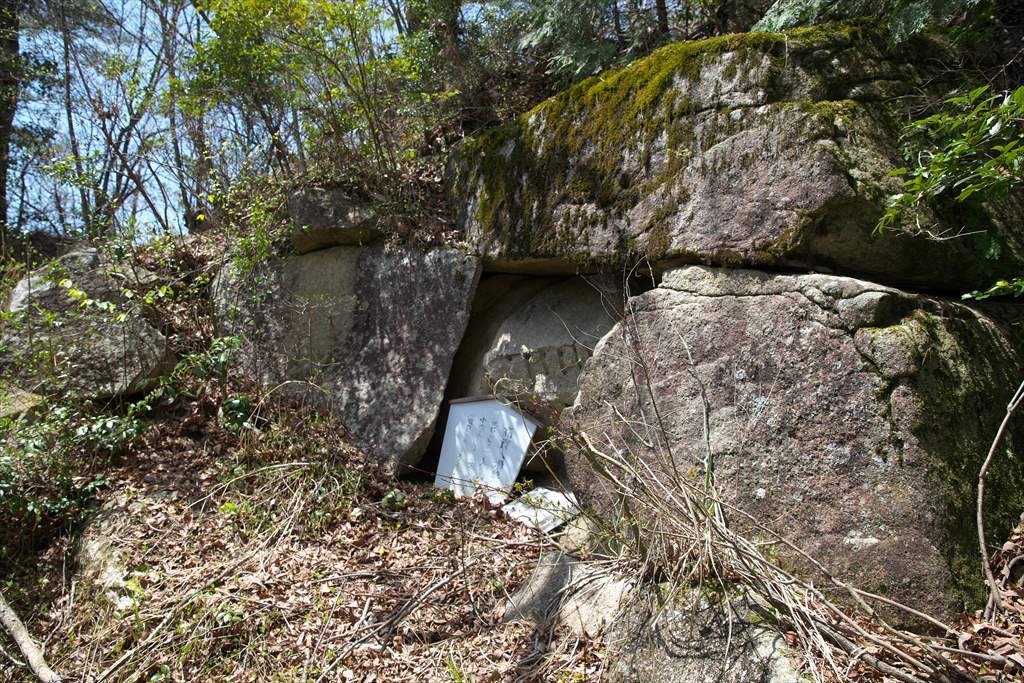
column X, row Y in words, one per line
column 285, row 556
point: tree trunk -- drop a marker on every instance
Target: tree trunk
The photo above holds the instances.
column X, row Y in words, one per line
column 620, row 38
column 10, row 77
column 69, row 116
column 661, row 9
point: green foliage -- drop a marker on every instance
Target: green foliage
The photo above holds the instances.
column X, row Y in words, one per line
column 580, row 39
column 970, row 151
column 578, row 36
column 315, row 57
column 50, row 468
column 212, row 364
column 472, row 71
column 209, row 367
column 394, row 501
column 235, row 413
column 974, row 147
column 457, row 675
column 257, row 236
column 901, row 18
column 1013, row 287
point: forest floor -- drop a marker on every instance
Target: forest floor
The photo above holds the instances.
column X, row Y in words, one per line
column 284, row 556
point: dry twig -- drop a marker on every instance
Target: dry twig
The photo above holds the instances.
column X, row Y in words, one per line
column 995, row 602
column 33, row 655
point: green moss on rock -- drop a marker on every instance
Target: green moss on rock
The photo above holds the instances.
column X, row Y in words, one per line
column 951, row 364
column 570, row 148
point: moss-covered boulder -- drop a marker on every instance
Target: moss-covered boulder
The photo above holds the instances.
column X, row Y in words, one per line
column 760, row 149
column 850, row 417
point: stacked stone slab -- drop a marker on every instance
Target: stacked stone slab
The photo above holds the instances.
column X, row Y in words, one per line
column 747, row 173
column 850, row 415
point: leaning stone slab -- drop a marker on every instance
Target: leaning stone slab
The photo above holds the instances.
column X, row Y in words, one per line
column 848, row 416
column 763, row 149
column 564, row 590
column 70, row 326
column 366, row 333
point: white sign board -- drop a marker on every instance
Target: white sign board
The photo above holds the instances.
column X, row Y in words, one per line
column 543, row 508
column 484, row 445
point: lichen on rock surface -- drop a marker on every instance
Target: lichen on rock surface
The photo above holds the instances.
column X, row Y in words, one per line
column 851, row 415
column 762, row 149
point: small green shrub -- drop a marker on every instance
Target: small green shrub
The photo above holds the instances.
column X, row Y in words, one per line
column 394, row 501
column 970, row 151
column 235, row 413
column 51, row 468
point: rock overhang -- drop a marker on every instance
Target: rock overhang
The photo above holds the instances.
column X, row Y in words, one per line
column 766, row 150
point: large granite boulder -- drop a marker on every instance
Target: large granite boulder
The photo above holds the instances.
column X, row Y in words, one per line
column 851, row 417
column 534, row 337
column 761, row 149
column 75, row 324
column 366, row 333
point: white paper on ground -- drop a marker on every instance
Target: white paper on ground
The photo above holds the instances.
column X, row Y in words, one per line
column 543, row 508
column 484, row 445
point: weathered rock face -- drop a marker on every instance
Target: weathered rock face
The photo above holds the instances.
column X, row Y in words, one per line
column 327, row 217
column 533, row 337
column 697, row 640
column 52, row 343
column 16, row 404
column 692, row 638
column 850, row 416
column 753, row 149
column 367, row 333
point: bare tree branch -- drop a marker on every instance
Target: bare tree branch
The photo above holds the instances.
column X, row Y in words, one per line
column 33, row 655
column 995, row 601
